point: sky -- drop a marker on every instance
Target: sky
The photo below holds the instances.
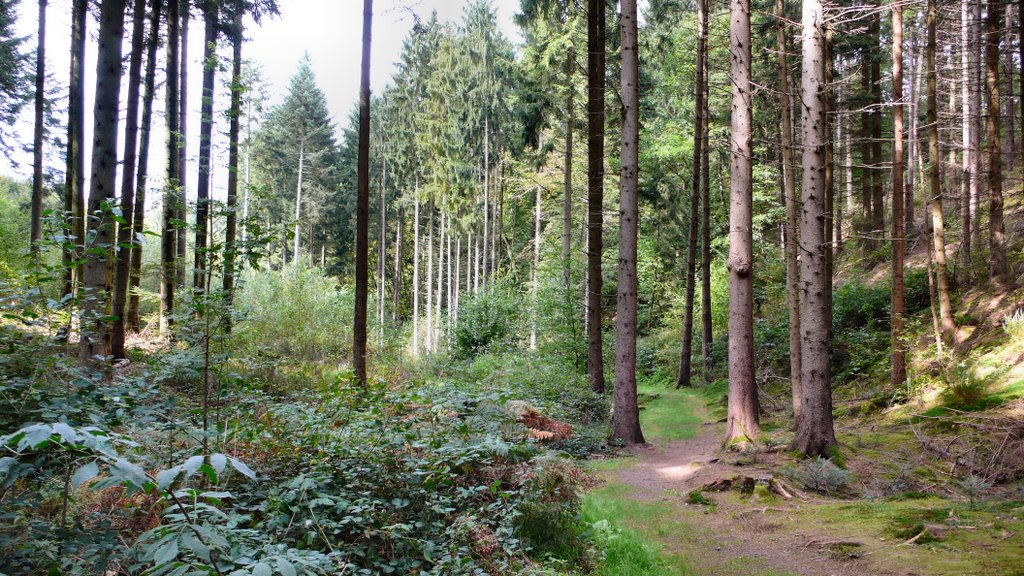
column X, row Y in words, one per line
column 330, row 30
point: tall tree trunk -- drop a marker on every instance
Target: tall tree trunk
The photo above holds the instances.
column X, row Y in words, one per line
column 969, row 177
column 298, row 200
column 440, row 282
column 837, row 216
column 686, row 354
column 815, row 435
column 792, row 213
column 935, row 190
column 396, row 281
column 234, row 132
column 210, row 11
column 535, row 270
column 707, row 337
column 899, row 361
column 382, row 249
column 626, row 411
column 877, row 189
column 125, row 238
column 169, row 232
column 596, row 47
column 95, row 329
column 743, row 418
column 363, row 202
column 36, row 226
column 416, row 270
column 142, row 174
column 74, row 183
column 428, row 341
column 487, row 212
column 570, row 118
column 1011, row 143
column 996, row 232
column 182, row 201
column 916, row 168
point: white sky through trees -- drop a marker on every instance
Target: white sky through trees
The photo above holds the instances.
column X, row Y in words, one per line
column 330, row 30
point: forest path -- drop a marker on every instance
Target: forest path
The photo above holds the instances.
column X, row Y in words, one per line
column 762, row 534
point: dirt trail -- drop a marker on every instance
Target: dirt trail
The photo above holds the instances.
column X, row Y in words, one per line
column 742, row 536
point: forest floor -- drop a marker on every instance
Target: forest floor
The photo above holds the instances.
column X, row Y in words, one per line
column 658, row 493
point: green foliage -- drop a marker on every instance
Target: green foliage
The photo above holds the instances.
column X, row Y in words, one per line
column 1013, row 325
column 488, row 320
column 298, row 313
column 821, row 475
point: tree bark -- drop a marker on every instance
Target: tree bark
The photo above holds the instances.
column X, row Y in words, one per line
column 36, row 226
column 1011, row 143
column 935, row 190
column 815, row 435
column 792, row 213
column 877, row 190
column 996, row 232
column 686, row 354
column 298, row 200
column 210, row 12
column 169, row 232
column 142, row 174
column 362, row 203
column 234, row 132
column 626, row 411
column 743, row 425
column 596, row 46
column 707, row 337
column 396, row 281
column 125, row 237
column 570, row 109
column 95, row 329
column 74, row 182
column 968, row 182
column 182, row 201
column 535, row 269
column 899, row 361
column 416, row 270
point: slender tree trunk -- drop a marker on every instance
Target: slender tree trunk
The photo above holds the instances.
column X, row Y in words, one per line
column 935, row 190
column 396, row 281
column 1011, row 129
column 363, row 202
column 248, row 177
column 182, row 176
column 743, row 413
column 967, row 112
column 916, row 153
column 125, row 237
column 74, row 182
column 570, row 109
column 234, row 132
column 815, row 435
column 456, row 285
column 877, row 189
column 95, row 329
column 440, row 282
column 535, row 270
column 596, row 47
column 382, row 251
column 792, row 213
column 707, row 337
column 978, row 77
column 416, row 270
column 487, row 192
column 169, row 232
column 428, row 343
column 298, row 199
column 139, row 218
column 996, row 232
column 837, row 247
column 210, row 11
column 899, row 362
column 36, row 227
column 686, row 354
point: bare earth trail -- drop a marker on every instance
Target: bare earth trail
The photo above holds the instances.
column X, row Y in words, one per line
column 761, row 534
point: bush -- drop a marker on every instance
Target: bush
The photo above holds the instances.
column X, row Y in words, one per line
column 297, row 313
column 821, row 475
column 487, row 320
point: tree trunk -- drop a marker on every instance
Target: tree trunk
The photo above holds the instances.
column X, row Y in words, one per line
column 125, row 237
column 440, row 283
column 899, row 362
column 142, row 174
column 815, row 435
column 596, row 46
column 298, row 199
column 210, row 10
column 707, row 337
column 487, row 212
column 686, row 354
column 570, row 109
column 382, row 250
column 1011, row 144
column 182, row 201
column 535, row 270
column 95, row 329
column 169, row 233
column 428, row 341
column 234, row 131
column 792, row 213
column 935, row 190
column 996, row 233
column 36, row 226
column 416, row 270
column 74, row 182
column 626, row 412
column 396, row 281
column 743, row 418
column 877, row 190
column 362, row 203
column 969, row 177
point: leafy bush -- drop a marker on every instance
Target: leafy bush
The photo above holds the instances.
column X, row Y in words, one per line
column 1013, row 325
column 821, row 475
column 487, row 320
column 298, row 313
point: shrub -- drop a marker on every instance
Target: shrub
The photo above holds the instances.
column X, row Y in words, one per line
column 821, row 475
column 486, row 320
column 1013, row 325
column 297, row 313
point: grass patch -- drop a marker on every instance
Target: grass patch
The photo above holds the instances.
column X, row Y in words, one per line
column 669, row 414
